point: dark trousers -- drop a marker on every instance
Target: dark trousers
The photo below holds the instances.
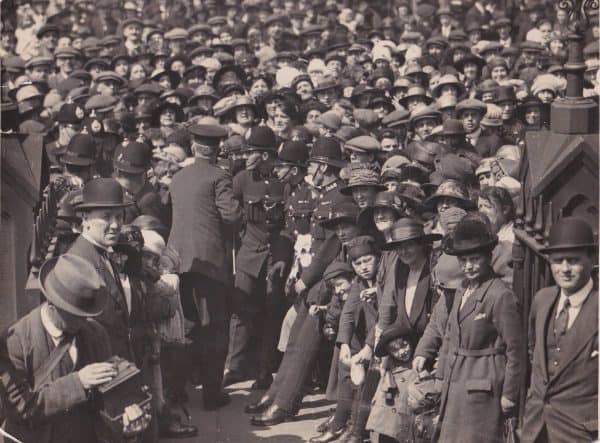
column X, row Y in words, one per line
column 258, row 310
column 211, row 340
column 300, row 356
column 346, row 396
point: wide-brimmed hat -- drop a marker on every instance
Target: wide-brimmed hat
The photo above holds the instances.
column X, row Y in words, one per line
column 384, row 199
column 343, row 211
column 72, row 284
column 450, row 80
column 570, row 233
column 407, row 229
column 362, row 176
column 102, row 193
column 415, row 91
column 452, row 189
column 469, row 59
column 471, row 235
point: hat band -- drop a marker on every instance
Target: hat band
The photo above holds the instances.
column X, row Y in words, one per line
column 83, row 299
column 407, row 233
column 471, row 244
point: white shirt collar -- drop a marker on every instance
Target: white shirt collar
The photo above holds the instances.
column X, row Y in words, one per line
column 578, row 297
column 95, row 243
column 50, row 327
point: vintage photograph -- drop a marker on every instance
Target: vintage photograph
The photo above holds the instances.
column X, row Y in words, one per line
column 280, row 221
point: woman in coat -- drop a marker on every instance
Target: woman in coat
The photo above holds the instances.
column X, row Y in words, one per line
column 480, row 360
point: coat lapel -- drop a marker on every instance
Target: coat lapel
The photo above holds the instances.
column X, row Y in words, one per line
column 474, row 299
column 545, row 312
column 402, row 275
column 421, row 294
column 584, row 328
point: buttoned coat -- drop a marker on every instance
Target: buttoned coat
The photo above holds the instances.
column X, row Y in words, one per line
column 480, row 362
column 357, row 319
column 566, row 403
column 59, row 411
column 204, row 211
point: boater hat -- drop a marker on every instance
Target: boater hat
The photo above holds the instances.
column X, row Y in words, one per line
column 72, row 284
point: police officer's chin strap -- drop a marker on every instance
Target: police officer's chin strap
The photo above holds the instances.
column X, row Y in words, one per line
column 320, row 175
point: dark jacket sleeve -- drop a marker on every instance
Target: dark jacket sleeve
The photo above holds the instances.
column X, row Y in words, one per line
column 227, row 205
column 346, row 330
column 431, row 341
column 328, row 252
column 507, row 320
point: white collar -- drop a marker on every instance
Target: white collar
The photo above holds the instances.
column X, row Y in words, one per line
column 506, row 232
column 50, row 327
column 95, row 243
column 578, row 297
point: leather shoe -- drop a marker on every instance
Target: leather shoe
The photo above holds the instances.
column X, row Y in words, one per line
column 260, row 406
column 215, row 402
column 327, row 436
column 271, row 417
column 324, row 425
column 232, row 377
column 346, row 435
column 262, row 383
column 176, row 429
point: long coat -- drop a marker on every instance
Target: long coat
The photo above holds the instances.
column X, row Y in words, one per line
column 115, row 317
column 59, row 411
column 358, row 318
column 567, row 403
column 204, row 210
column 480, row 362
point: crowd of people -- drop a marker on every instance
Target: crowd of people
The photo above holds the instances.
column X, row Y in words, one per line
column 324, row 191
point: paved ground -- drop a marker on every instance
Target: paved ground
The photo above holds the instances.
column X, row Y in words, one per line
column 231, row 425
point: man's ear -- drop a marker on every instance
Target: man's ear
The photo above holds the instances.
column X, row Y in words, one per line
column 294, row 170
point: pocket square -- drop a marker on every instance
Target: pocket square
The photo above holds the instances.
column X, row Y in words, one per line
column 594, row 354
column 480, row 316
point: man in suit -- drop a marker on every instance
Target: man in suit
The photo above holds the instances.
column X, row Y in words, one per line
column 58, row 354
column 562, row 402
column 102, row 212
column 204, row 211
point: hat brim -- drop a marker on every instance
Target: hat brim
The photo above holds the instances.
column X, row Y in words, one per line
column 101, row 205
column 347, row 190
column 426, row 238
column 128, row 168
column 331, row 222
column 328, row 161
column 568, row 246
column 77, row 161
column 54, row 297
column 430, row 202
column 450, row 249
column 404, row 100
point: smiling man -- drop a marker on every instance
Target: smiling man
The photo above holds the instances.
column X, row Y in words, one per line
column 102, row 211
column 562, row 402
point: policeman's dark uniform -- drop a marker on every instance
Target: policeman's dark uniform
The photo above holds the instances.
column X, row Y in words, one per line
column 262, row 245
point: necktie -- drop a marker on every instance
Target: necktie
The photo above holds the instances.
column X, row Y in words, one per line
column 562, row 321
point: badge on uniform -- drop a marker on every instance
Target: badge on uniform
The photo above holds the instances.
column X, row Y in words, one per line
column 480, row 316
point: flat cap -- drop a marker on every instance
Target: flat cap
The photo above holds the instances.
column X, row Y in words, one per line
column 363, row 143
column 176, row 34
column 396, row 118
column 39, row 61
column 101, row 103
column 67, row 52
column 471, row 103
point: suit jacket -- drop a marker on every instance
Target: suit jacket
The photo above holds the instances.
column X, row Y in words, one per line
column 147, row 202
column 203, row 211
column 115, row 317
column 59, row 411
column 567, row 403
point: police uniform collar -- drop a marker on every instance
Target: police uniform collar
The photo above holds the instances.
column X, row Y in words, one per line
column 331, row 186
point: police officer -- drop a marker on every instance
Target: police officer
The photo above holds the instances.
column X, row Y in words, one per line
column 261, row 260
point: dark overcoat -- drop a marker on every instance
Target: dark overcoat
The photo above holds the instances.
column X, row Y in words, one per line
column 204, row 211
column 479, row 363
column 566, row 403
